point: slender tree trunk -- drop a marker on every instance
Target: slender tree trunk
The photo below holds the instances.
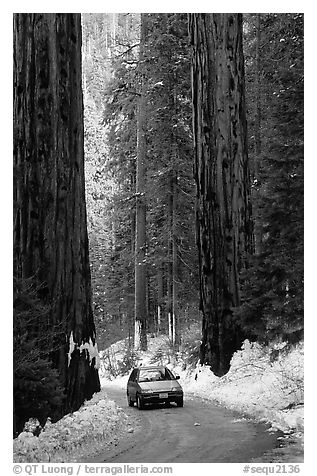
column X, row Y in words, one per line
column 257, row 132
column 169, row 294
column 113, row 29
column 50, row 224
column 175, row 310
column 224, row 231
column 159, row 314
column 170, row 277
column 170, row 325
column 258, row 97
column 131, row 305
column 175, row 159
column 132, row 217
column 140, row 340
column 159, row 298
column 105, row 32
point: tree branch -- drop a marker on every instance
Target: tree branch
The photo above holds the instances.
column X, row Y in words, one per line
column 126, row 51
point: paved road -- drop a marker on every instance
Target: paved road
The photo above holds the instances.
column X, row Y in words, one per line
column 169, row 434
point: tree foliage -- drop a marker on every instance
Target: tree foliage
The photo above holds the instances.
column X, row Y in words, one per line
column 38, row 392
column 168, row 135
column 273, row 289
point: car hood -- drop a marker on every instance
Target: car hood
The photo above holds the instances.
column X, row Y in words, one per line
column 160, row 386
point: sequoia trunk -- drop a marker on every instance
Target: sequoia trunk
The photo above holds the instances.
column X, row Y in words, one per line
column 224, row 232
column 50, row 226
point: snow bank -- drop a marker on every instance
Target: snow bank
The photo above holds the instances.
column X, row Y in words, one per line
column 271, row 391
column 257, row 386
column 94, row 427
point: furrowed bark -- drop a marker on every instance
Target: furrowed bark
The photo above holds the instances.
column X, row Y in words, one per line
column 224, row 231
column 50, row 224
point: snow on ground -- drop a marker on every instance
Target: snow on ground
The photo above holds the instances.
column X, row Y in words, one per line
column 96, row 426
column 261, row 387
column 256, row 386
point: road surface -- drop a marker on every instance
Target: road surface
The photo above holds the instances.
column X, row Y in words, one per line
column 200, row 432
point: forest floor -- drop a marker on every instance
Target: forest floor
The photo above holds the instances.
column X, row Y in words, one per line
column 258, row 388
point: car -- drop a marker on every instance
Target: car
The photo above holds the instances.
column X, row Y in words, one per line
column 153, row 384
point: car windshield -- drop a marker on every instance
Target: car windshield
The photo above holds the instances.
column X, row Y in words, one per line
column 153, row 375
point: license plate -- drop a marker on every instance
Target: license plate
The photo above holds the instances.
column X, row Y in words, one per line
column 163, row 395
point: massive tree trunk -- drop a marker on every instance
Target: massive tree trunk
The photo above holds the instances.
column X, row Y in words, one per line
column 50, row 226
column 224, row 232
column 140, row 341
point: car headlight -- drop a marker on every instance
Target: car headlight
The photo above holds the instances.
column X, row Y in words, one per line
column 175, row 389
column 146, row 390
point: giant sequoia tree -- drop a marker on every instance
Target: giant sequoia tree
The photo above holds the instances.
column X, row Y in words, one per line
column 224, row 233
column 50, row 232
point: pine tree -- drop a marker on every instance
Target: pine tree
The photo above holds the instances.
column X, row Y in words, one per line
column 273, row 290
column 140, row 270
column 114, row 270
column 172, row 185
column 170, row 234
column 37, row 388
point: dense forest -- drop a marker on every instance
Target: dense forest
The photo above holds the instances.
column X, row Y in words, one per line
column 158, row 184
